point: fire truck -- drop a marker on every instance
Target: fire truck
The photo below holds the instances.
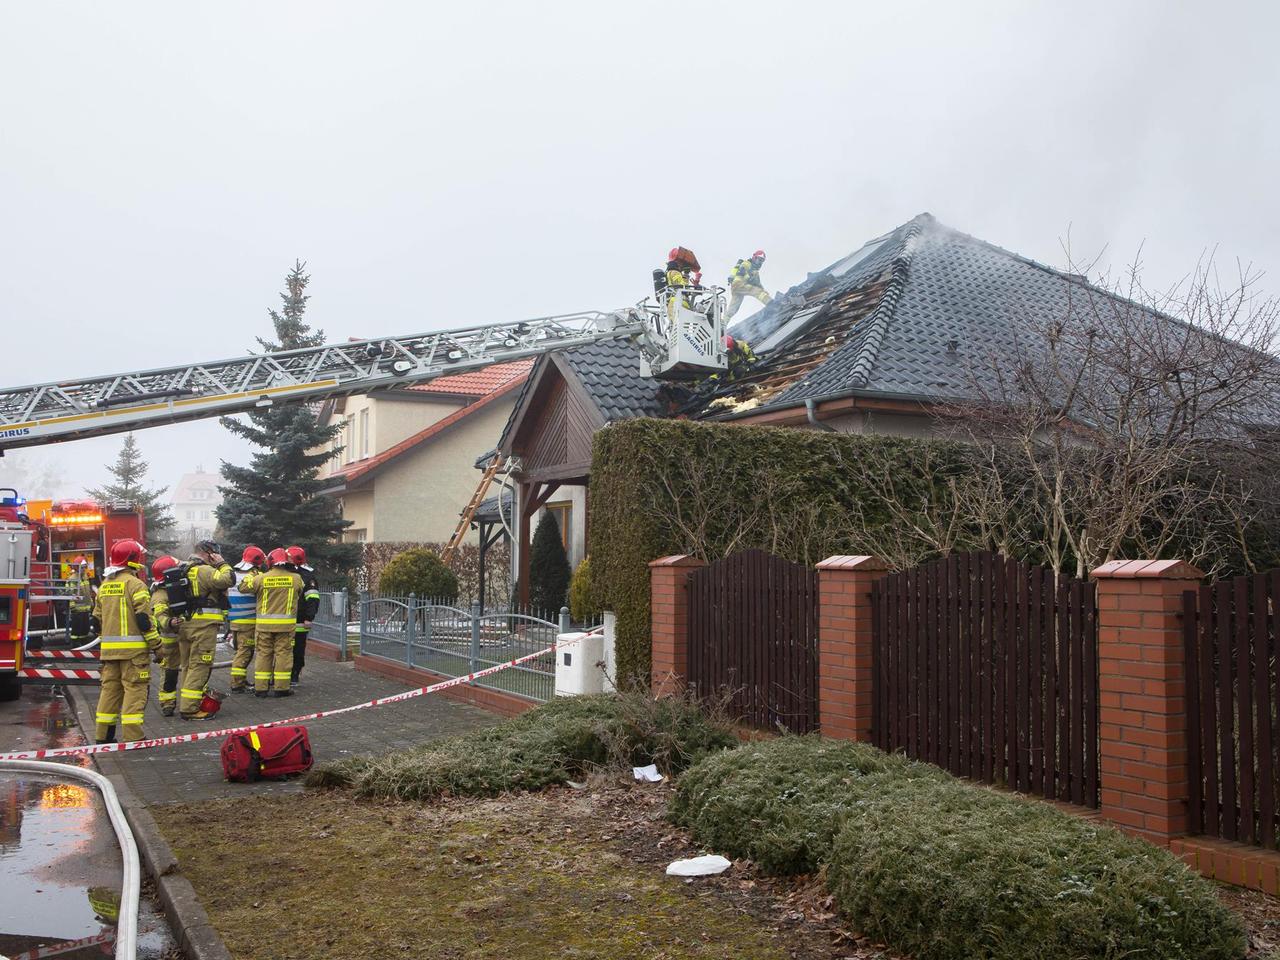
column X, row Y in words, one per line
column 44, row 546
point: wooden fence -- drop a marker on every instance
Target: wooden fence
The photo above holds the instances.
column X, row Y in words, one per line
column 1229, row 629
column 988, row 667
column 753, row 628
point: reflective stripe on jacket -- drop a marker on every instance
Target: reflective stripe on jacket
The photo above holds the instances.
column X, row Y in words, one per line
column 279, row 591
column 120, row 599
column 745, row 273
column 209, row 587
column 160, row 612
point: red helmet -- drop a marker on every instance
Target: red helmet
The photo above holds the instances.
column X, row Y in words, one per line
column 161, row 565
column 729, row 342
column 277, row 557
column 127, row 553
column 253, row 557
column 673, row 253
column 296, row 555
column 758, row 255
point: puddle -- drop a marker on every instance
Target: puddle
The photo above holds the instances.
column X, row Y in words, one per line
column 58, row 853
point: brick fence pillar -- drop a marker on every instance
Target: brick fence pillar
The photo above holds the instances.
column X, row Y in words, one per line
column 844, row 645
column 1142, row 728
column 669, row 622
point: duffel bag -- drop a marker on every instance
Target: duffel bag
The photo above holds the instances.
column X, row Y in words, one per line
column 269, row 753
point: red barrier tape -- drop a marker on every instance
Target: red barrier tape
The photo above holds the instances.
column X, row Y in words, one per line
column 210, row 734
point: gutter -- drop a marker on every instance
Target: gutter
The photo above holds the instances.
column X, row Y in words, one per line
column 811, row 412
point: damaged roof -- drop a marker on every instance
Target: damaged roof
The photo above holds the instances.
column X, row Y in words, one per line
column 917, row 314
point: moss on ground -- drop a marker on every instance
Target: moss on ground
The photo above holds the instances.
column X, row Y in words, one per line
column 319, row 876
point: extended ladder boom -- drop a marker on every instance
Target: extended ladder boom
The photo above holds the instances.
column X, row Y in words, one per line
column 69, row 410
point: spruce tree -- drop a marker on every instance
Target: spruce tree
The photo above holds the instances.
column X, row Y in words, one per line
column 273, row 502
column 549, row 571
column 129, row 471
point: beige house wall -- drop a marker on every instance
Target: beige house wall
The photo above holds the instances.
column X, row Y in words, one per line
column 357, row 506
column 419, row 495
column 388, row 422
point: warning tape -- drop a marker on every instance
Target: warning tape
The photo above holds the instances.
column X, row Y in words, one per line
column 58, row 673
column 97, row 748
column 66, row 946
column 62, row 655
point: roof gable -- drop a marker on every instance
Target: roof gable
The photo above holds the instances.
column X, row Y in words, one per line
column 551, row 426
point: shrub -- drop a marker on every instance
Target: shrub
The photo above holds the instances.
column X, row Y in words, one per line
column 548, row 745
column 779, row 802
column 582, row 605
column 419, row 571
column 548, row 568
column 942, row 869
column 945, row 870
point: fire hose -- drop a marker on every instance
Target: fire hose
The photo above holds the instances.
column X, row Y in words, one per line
column 131, row 880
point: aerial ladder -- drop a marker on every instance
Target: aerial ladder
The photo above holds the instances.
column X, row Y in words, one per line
column 678, row 337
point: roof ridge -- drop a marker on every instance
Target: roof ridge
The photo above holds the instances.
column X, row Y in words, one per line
column 878, row 321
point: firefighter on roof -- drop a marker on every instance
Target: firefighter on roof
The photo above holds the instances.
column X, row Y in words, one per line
column 243, row 616
column 744, row 281
column 279, row 592
column 122, row 618
column 167, row 627
column 210, row 576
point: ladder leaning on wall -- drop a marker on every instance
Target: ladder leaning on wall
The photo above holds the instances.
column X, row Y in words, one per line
column 469, row 511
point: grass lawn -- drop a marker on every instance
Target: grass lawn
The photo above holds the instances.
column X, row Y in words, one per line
column 561, row 874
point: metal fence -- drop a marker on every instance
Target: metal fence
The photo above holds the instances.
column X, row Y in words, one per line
column 453, row 641
column 331, row 624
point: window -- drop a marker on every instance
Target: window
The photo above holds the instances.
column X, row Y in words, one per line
column 563, row 512
column 191, row 514
column 204, row 514
column 348, row 438
column 364, row 433
column 354, row 536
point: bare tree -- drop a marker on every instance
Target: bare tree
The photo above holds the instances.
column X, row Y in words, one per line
column 1101, row 429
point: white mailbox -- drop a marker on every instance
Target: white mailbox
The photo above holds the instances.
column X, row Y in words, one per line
column 577, row 659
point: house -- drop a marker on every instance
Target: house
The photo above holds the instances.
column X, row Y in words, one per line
column 403, row 461
column 193, row 502
column 879, row 341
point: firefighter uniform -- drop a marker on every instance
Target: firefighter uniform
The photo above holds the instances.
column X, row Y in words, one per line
column 279, row 592
column 307, row 610
column 242, row 618
column 200, row 633
column 170, row 657
column 122, row 612
column 81, row 607
column 744, row 281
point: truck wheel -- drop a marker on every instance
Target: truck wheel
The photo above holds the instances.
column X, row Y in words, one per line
column 10, row 687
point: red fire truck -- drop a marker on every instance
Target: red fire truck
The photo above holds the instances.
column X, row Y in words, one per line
column 43, row 544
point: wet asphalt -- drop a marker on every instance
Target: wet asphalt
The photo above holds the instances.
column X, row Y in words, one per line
column 60, row 866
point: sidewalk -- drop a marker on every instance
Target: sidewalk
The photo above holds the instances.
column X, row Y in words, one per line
column 191, row 772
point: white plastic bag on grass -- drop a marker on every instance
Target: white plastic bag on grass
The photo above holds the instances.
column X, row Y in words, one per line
column 648, row 774
column 706, row 866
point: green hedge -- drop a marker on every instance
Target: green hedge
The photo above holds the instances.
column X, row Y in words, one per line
column 418, row 571
column 660, row 487
column 780, row 802
column 941, row 869
column 553, row 743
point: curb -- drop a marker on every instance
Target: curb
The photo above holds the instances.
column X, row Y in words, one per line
column 196, row 936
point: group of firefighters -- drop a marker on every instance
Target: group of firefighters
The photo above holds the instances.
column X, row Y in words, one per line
column 267, row 600
column 684, row 272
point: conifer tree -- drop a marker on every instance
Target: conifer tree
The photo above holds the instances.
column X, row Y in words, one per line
column 273, row 502
column 549, row 571
column 129, row 471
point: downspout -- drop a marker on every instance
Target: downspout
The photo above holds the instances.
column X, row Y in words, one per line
column 811, row 411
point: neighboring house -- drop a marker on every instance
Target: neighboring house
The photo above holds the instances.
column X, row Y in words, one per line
column 876, row 342
column 194, row 500
column 403, row 466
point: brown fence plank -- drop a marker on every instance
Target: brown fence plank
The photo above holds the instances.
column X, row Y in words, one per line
column 988, row 669
column 964, row 706
column 1035, row 679
column 1048, row 730
column 1226, row 712
column 1092, row 767
column 1244, row 701
column 1022, row 678
column 1208, row 712
column 1265, row 596
column 1195, row 774
column 952, row 604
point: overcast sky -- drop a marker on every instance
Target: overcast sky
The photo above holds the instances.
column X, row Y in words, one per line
column 162, row 164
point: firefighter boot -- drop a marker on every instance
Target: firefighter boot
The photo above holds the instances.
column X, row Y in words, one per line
column 169, row 692
column 105, row 733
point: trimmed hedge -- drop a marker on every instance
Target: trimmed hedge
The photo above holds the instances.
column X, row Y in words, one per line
column 782, row 490
column 944, row 870
column 549, row 745
column 780, row 802
column 418, row 571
